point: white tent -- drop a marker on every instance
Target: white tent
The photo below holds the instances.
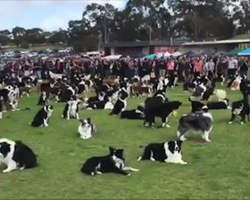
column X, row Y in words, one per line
column 176, row 54
column 164, row 54
column 112, row 57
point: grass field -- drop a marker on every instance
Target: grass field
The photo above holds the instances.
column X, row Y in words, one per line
column 216, row 170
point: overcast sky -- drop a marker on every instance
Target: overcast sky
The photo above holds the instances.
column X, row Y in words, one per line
column 46, row 14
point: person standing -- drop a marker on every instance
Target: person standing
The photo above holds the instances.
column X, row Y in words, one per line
column 197, row 67
column 161, row 67
column 171, row 67
column 244, row 67
column 181, row 68
column 1, row 69
column 210, row 68
column 231, row 67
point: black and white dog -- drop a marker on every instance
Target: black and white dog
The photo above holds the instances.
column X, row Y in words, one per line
column 198, row 122
column 9, row 95
column 16, row 155
column 43, row 99
column 105, row 104
column 121, row 103
column 169, row 152
column 71, row 109
column 198, row 106
column 162, row 110
column 66, row 94
column 133, row 114
column 240, row 110
column 43, row 116
column 86, row 129
column 199, row 91
column 224, row 104
column 114, row 162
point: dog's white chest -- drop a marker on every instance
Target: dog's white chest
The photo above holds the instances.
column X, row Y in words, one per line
column 85, row 132
column 72, row 110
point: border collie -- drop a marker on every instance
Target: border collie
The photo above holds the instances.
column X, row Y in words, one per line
column 153, row 102
column 104, row 104
column 220, row 79
column 43, row 116
column 198, row 122
column 121, row 103
column 66, row 94
column 4, row 95
column 240, row 110
column 86, row 129
column 114, row 162
column 163, row 110
column 224, row 104
column 199, row 90
column 112, row 95
column 198, row 106
column 71, row 109
column 169, row 152
column 42, row 99
column 16, row 155
column 99, row 97
column 133, row 114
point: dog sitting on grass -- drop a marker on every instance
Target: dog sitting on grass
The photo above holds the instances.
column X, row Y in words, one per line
column 43, row 116
column 86, row 129
column 16, row 155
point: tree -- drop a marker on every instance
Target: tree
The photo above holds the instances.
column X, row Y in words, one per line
column 34, row 36
column 5, row 37
column 24, row 45
column 198, row 18
column 242, row 15
column 59, row 36
column 18, row 34
column 101, row 17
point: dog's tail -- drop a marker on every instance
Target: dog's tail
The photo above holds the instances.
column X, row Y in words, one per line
column 141, row 146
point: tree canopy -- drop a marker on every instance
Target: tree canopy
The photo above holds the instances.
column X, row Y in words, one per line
column 144, row 20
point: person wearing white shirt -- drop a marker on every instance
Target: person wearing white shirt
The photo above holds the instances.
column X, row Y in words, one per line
column 232, row 66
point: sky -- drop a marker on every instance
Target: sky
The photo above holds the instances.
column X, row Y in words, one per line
column 46, row 14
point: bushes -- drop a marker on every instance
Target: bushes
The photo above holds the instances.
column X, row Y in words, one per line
column 24, row 45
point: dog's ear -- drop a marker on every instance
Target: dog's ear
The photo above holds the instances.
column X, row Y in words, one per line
column 111, row 150
column 119, row 153
column 89, row 120
column 179, row 142
column 81, row 121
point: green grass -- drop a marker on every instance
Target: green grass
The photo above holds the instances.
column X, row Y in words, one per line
column 216, row 170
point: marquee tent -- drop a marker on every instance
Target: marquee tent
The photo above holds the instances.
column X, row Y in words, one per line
column 245, row 52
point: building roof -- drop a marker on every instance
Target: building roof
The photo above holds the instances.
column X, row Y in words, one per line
column 238, row 41
column 142, row 43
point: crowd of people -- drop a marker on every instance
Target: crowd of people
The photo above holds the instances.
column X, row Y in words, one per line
column 182, row 66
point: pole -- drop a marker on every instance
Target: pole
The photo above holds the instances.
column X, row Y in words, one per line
column 105, row 31
column 150, row 36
